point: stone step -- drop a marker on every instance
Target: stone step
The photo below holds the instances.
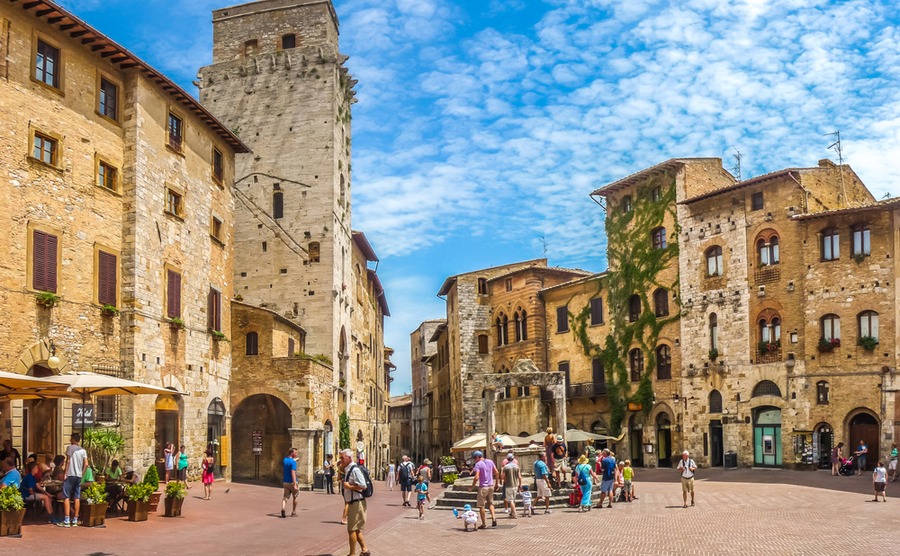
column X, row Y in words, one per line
column 450, row 499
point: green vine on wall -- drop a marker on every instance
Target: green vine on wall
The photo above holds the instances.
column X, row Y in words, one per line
column 635, row 267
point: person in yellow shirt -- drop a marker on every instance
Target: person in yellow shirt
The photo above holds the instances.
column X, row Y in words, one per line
column 628, row 476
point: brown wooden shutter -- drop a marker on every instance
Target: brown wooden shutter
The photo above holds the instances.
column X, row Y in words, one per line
column 106, row 279
column 44, row 262
column 218, row 308
column 173, row 295
column 214, row 310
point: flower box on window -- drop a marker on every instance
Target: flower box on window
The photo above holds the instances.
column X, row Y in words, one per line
column 827, row 346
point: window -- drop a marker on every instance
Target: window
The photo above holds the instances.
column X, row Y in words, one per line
column 173, row 294
column 106, row 278
column 45, row 149
column 661, row 302
column 482, row 286
column 215, row 229
column 656, row 193
column 44, row 258
column 862, row 244
column 47, row 64
column 173, row 203
column 277, row 205
column 770, row 330
column 831, row 328
column 562, row 319
column 767, row 250
column 252, row 342
column 314, row 252
column 831, row 246
column 214, row 310
column 626, row 203
column 658, row 237
column 482, row 343
column 563, row 368
column 868, row 325
column 766, row 388
column 598, row 375
column 107, row 176
column 107, row 409
column 756, row 201
column 502, row 330
column 636, row 363
column 663, row 362
column 288, row 41
column 250, row 47
column 822, row 393
column 634, row 308
column 521, row 323
column 509, row 284
column 714, row 261
column 596, row 311
column 715, row 402
column 291, row 349
column 713, row 332
column 218, row 165
column 176, row 132
column 109, row 98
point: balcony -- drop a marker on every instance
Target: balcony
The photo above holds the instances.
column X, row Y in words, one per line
column 578, row 391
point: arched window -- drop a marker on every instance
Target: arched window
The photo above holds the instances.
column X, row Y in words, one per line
column 521, row 323
column 636, row 361
column 714, row 261
column 713, row 332
column 252, row 341
column 823, row 393
column 278, row 205
column 715, row 402
column 658, row 238
column 766, row 388
column 502, row 330
column 769, row 329
column 313, row 250
column 831, row 244
column 663, row 362
column 661, row 302
column 634, row 308
column 767, row 248
column 862, row 243
column 868, row 325
column 831, row 328
column 626, row 203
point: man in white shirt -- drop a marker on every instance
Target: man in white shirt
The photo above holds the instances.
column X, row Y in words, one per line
column 687, row 467
column 76, row 464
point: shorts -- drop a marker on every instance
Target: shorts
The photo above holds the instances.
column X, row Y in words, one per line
column 687, row 485
column 861, row 462
column 72, row 488
column 606, row 486
column 406, row 487
column 290, row 489
column 560, row 466
column 892, row 466
column 182, row 474
column 356, row 516
column 627, row 486
column 543, row 490
column 38, row 497
column 509, row 494
column 879, row 487
column 485, row 497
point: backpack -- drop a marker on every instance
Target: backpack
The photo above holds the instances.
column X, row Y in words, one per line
column 560, row 450
column 370, row 488
column 404, row 475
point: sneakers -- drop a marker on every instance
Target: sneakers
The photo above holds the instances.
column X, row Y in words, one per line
column 75, row 523
column 282, row 514
column 64, row 524
column 546, row 512
column 493, row 523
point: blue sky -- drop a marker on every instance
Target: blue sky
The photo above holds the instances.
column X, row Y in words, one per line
column 482, row 126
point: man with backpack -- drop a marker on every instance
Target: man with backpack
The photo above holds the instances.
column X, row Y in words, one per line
column 405, row 475
column 560, row 453
column 357, row 487
column 607, row 465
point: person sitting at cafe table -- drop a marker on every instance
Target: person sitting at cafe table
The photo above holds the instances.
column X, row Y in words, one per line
column 11, row 476
column 114, row 473
column 32, row 491
column 87, row 479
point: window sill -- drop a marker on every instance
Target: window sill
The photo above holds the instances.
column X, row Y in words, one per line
column 179, row 149
column 562, row 331
column 39, row 162
column 108, row 190
column 220, row 182
column 217, row 240
column 173, row 215
column 57, row 90
column 103, row 116
column 592, row 325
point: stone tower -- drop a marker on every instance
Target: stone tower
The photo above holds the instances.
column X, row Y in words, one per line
column 277, row 80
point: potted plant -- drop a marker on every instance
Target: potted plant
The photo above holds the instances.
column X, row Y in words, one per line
column 138, row 497
column 175, row 323
column 826, row 345
column 152, row 478
column 218, row 336
column 93, row 505
column 868, row 343
column 48, row 300
column 102, row 445
column 12, row 511
column 175, row 492
column 109, row 310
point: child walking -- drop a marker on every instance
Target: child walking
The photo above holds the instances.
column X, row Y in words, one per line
column 421, row 495
column 628, row 477
column 879, row 481
column 469, row 517
column 527, row 509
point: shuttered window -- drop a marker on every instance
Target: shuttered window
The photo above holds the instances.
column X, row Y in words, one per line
column 562, row 319
column 106, row 278
column 44, row 255
column 173, row 294
column 214, row 310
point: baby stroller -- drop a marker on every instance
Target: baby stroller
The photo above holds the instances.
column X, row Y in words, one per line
column 846, row 468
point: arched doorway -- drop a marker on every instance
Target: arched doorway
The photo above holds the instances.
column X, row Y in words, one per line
column 260, row 427
column 168, row 428
column 40, row 421
column 823, row 442
column 215, row 430
column 664, row 440
column 636, row 440
column 864, row 426
column 767, row 450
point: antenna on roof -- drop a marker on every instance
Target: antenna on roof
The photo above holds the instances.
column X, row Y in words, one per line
column 736, row 169
column 544, row 243
column 840, row 152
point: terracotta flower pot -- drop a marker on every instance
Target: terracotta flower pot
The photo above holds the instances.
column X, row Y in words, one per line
column 11, row 523
column 154, row 501
column 93, row 515
column 173, row 507
column 138, row 511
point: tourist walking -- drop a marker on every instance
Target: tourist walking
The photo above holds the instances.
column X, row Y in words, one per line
column 628, row 478
column 836, row 453
column 421, row 495
column 511, row 481
column 585, row 478
column 424, row 472
column 485, row 477
column 405, row 476
column 559, row 459
column 182, row 465
column 391, row 476
column 328, row 468
column 541, row 479
column 687, row 467
column 354, row 483
column 607, row 468
column 549, row 441
column 206, row 473
column 860, row 454
column 879, row 481
column 289, row 482
column 76, row 464
column 169, row 454
column 892, row 465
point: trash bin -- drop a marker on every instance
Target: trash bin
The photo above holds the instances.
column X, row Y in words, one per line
column 319, row 481
column 730, row 460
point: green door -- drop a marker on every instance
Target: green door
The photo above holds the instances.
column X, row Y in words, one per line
column 767, row 437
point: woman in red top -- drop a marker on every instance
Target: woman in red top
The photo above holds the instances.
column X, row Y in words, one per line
column 207, row 476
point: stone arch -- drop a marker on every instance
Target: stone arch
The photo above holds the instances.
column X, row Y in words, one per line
column 37, row 354
column 271, row 417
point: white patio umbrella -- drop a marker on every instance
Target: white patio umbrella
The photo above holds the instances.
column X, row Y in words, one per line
column 16, row 386
column 477, row 442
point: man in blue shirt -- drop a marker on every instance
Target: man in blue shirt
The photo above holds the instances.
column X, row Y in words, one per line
column 860, row 454
column 12, row 476
column 541, row 474
column 607, row 477
column 289, row 481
